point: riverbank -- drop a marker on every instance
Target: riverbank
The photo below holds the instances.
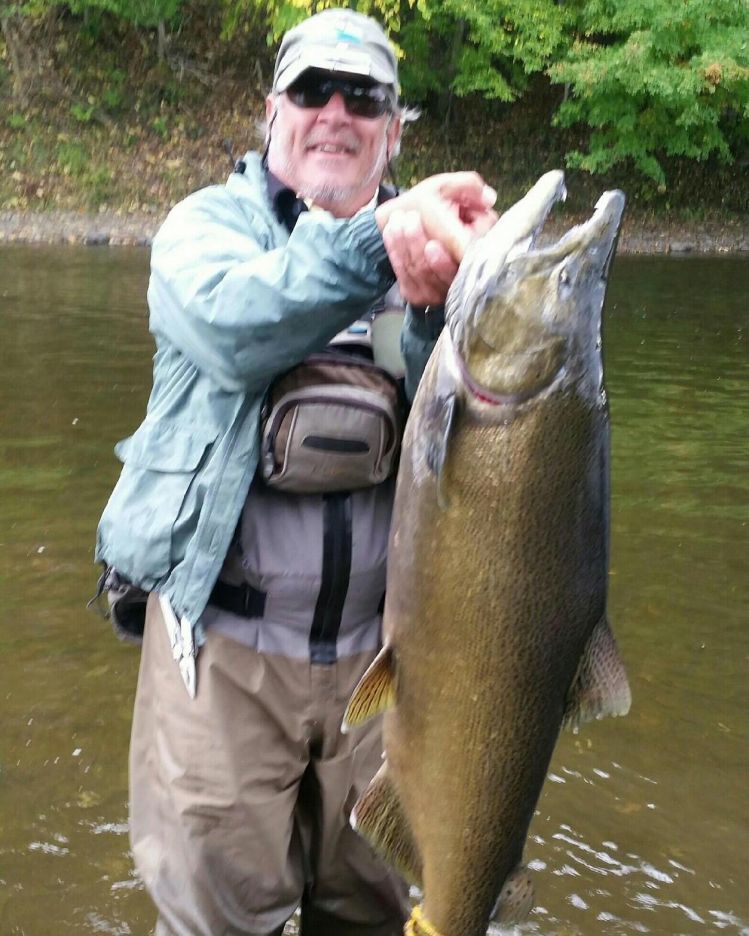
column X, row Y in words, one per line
column 110, row 228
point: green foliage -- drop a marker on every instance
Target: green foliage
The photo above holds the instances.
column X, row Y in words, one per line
column 113, row 98
column 649, row 78
column 453, row 46
column 72, row 158
column 656, row 78
column 147, row 13
column 26, row 9
column 161, row 127
column 649, row 85
column 98, row 182
column 280, row 15
column 496, row 44
column 83, row 113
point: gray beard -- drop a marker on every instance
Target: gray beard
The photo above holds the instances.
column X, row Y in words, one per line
column 330, row 194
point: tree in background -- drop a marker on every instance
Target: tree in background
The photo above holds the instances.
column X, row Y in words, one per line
column 447, row 47
column 646, row 79
column 460, row 47
column 20, row 26
column 649, row 78
column 148, row 14
column 655, row 78
column 280, row 15
column 26, row 25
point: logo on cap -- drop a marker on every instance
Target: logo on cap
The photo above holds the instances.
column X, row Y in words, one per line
column 343, row 35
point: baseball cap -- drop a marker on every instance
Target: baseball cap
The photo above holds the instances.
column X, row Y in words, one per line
column 336, row 41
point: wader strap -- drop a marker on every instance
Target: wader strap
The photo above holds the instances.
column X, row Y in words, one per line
column 334, row 583
column 243, row 600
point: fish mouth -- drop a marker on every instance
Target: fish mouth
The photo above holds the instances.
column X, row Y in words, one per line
column 513, row 307
column 597, row 237
column 516, row 233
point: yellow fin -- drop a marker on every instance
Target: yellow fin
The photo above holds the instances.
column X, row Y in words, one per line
column 375, row 692
column 378, row 816
column 600, row 687
column 516, row 897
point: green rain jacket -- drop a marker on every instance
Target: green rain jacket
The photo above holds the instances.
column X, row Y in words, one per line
column 234, row 301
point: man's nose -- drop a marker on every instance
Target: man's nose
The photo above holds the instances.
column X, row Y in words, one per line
column 335, row 109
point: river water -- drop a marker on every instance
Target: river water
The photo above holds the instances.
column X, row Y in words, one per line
column 643, row 825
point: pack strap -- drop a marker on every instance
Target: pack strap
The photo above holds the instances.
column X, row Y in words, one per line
column 243, row 600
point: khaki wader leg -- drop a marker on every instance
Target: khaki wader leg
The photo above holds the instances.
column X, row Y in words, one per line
column 216, row 825
column 353, row 893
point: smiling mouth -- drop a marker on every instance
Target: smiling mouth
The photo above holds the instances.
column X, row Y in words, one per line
column 331, row 149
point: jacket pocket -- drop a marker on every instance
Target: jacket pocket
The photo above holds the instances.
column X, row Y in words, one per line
column 161, row 462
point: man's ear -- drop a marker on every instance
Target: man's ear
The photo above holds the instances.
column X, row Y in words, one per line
column 393, row 137
column 270, row 107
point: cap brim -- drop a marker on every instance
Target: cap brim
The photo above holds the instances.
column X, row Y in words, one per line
column 347, row 61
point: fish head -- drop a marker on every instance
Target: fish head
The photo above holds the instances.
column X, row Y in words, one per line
column 521, row 317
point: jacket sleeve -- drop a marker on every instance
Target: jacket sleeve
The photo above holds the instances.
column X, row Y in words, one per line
column 243, row 310
column 421, row 329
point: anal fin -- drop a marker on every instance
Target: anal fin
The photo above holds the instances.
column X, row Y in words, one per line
column 515, row 900
column 378, row 815
column 600, row 686
column 375, row 692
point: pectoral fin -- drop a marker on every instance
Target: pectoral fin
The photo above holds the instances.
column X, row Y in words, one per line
column 439, row 419
column 374, row 693
column 600, row 687
column 379, row 817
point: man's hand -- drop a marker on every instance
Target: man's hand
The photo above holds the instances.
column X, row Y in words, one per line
column 427, row 230
column 423, row 268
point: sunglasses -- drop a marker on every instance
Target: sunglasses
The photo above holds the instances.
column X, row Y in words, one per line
column 360, row 100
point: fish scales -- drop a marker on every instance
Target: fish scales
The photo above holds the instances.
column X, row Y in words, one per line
column 483, row 610
column 496, row 590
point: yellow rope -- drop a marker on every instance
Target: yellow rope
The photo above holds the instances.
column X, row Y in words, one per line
column 418, row 925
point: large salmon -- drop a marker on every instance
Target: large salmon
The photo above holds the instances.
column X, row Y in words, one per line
column 495, row 619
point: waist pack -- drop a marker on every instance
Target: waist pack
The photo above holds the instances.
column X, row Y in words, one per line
column 332, row 423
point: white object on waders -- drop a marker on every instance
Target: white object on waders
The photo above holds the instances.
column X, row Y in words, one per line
column 182, row 644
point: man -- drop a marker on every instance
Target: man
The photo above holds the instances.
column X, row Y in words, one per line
column 241, row 782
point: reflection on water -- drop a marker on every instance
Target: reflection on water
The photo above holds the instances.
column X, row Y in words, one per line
column 642, row 826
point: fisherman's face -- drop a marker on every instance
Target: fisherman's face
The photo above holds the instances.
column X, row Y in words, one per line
column 327, row 154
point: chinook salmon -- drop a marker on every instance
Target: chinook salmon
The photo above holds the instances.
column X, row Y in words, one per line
column 495, row 618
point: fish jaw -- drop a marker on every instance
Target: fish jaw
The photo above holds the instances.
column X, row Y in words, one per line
column 517, row 228
column 521, row 318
